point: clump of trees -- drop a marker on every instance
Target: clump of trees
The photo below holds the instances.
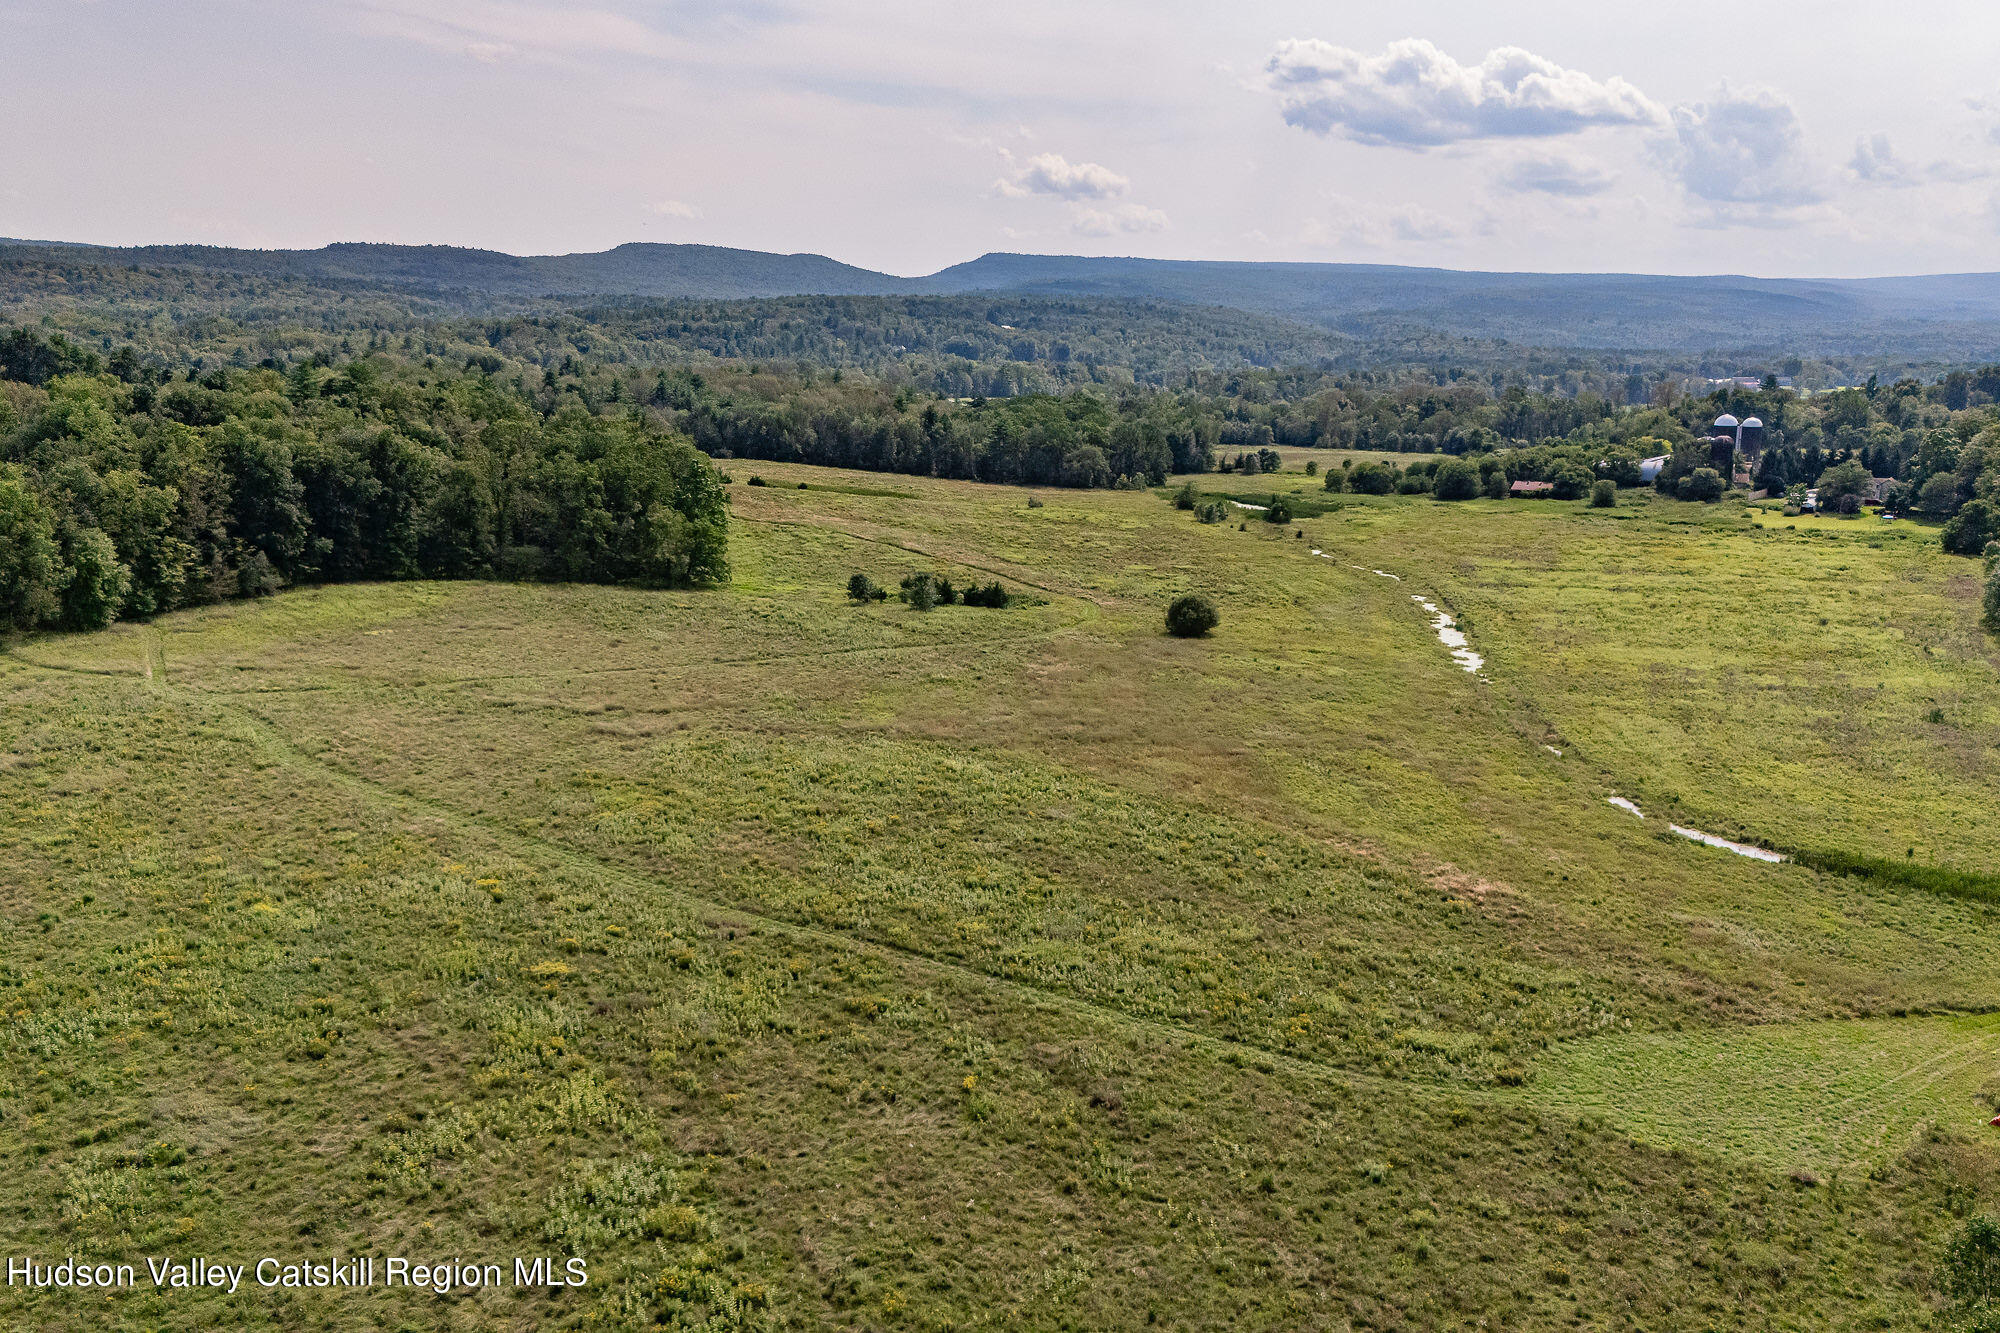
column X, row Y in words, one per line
column 128, row 498
column 1976, row 523
column 925, row 591
column 1703, row 484
column 1191, row 616
column 1970, row 1275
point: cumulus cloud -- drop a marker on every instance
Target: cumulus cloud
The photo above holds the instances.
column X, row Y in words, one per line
column 1876, row 162
column 1413, row 95
column 1128, row 218
column 1557, row 176
column 1053, row 174
column 673, row 208
column 1744, row 156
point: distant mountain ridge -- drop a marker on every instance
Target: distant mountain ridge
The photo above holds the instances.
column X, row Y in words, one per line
column 634, row 269
column 1944, row 314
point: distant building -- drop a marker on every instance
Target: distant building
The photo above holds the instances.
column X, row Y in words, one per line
column 1879, row 488
column 1747, row 382
column 1530, row 489
column 1649, row 469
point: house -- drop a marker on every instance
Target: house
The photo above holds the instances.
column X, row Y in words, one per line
column 1878, row 488
column 1530, row 489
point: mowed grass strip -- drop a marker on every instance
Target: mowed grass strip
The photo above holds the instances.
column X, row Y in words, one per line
column 1821, row 1096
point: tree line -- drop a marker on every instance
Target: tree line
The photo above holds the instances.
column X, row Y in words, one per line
column 124, row 493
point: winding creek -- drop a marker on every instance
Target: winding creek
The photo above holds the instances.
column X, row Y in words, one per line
column 1706, row 839
column 1455, row 641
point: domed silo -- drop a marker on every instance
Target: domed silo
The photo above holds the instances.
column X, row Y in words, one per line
column 1750, row 437
column 1722, row 445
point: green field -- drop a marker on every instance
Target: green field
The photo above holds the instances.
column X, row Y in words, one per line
column 1819, row 1096
column 811, row 965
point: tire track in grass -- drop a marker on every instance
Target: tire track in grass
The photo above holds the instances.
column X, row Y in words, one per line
column 918, row 550
column 275, row 746
column 279, row 749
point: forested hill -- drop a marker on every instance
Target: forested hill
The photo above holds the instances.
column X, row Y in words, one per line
column 1951, row 317
column 637, row 269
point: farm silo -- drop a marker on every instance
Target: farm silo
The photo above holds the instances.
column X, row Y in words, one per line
column 1722, row 445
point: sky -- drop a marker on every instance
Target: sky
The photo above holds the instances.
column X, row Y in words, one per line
column 1783, row 139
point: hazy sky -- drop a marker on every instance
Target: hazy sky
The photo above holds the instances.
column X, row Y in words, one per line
column 1827, row 138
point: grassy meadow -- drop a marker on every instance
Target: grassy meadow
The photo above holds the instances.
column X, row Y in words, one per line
column 808, row 965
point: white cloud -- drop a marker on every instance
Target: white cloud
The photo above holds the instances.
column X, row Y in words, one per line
column 1051, row 173
column 1876, row 162
column 1128, row 218
column 673, row 208
column 491, row 30
column 1744, row 156
column 1557, row 176
column 1414, row 95
column 1343, row 226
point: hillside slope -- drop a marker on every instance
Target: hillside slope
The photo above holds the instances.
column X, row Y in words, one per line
column 1952, row 316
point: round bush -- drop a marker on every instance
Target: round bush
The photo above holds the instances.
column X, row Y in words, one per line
column 1191, row 616
column 1704, row 484
column 1604, row 494
column 1457, row 480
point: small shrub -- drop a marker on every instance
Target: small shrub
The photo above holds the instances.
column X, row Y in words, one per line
column 1604, row 494
column 861, row 588
column 1336, row 479
column 1034, row 502
column 802, row 486
column 1991, row 604
column 1184, row 498
column 1191, row 616
column 1278, row 511
column 758, row 481
column 946, row 594
column 1212, row 512
column 1312, row 467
